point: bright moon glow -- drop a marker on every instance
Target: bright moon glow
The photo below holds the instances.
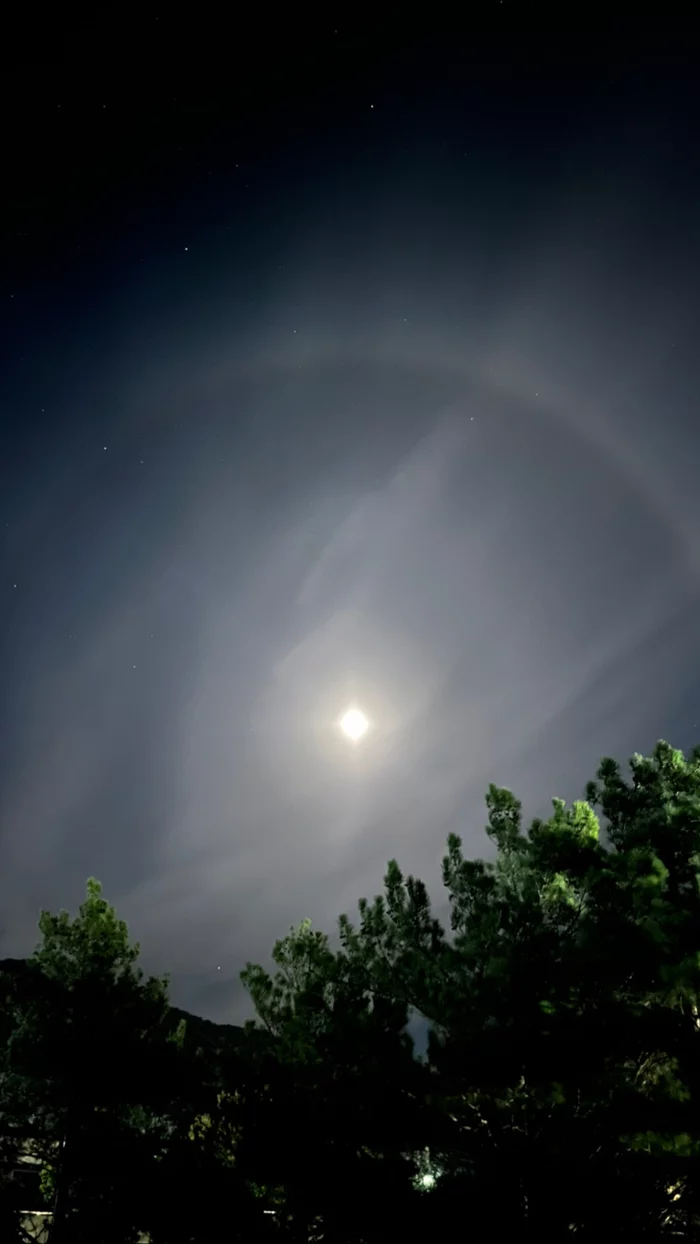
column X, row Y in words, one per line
column 354, row 724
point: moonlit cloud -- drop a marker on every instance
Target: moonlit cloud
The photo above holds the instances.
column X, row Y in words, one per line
column 428, row 473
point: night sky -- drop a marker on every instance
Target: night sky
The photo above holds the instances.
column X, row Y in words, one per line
column 340, row 363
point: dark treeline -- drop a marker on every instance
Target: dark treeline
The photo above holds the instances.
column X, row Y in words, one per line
column 558, row 1097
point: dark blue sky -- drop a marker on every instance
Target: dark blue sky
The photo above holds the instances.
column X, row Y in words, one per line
column 338, row 364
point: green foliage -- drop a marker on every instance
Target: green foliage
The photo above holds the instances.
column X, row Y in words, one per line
column 557, row 1096
column 94, row 944
column 87, row 1068
column 300, row 993
column 563, row 1007
column 343, row 1063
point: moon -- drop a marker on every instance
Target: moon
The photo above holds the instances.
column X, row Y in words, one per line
column 354, row 724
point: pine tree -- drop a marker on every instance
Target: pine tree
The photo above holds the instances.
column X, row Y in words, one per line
column 85, row 1068
column 563, row 1070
